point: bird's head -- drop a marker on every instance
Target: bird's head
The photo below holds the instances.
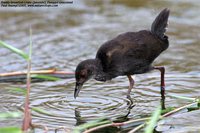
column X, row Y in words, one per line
column 84, row 71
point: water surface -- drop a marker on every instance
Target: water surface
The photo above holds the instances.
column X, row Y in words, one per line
column 62, row 37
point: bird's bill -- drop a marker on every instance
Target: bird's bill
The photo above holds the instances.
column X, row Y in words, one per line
column 77, row 89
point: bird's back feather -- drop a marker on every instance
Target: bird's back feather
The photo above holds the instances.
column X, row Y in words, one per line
column 133, row 52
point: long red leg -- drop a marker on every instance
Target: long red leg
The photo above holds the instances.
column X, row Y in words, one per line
column 162, row 84
column 131, row 84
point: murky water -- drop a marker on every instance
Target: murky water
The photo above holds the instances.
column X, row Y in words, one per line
column 62, row 37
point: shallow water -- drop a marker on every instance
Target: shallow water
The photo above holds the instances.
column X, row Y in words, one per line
column 62, row 37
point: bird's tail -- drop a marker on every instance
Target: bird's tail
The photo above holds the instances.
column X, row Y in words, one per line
column 159, row 25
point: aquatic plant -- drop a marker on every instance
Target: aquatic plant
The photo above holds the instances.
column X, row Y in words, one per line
column 149, row 122
column 27, row 123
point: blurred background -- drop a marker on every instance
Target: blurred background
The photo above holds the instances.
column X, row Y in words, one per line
column 65, row 35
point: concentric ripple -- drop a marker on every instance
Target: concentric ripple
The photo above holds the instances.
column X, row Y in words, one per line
column 93, row 102
column 98, row 100
column 69, row 35
column 109, row 100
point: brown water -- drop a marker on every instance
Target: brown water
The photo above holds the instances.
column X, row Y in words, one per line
column 62, row 37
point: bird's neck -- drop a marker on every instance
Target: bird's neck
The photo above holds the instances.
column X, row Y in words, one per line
column 99, row 74
column 98, row 66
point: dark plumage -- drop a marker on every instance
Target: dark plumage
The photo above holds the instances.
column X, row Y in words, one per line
column 128, row 54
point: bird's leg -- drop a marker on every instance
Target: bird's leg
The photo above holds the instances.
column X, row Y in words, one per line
column 162, row 84
column 131, row 83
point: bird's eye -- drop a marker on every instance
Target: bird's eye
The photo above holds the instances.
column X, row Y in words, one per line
column 83, row 74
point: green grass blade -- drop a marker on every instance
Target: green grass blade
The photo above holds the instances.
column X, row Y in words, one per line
column 4, row 116
column 152, row 123
column 45, row 77
column 10, row 130
column 15, row 50
column 193, row 108
column 164, row 111
column 185, row 98
column 17, row 90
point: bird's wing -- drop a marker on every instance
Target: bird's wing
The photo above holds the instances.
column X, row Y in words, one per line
column 116, row 54
column 107, row 52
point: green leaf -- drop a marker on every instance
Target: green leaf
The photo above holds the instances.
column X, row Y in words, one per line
column 167, row 110
column 18, row 90
column 152, row 123
column 15, row 50
column 10, row 130
column 40, row 76
column 193, row 108
column 6, row 115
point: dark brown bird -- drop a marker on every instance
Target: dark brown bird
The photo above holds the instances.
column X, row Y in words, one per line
column 128, row 54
